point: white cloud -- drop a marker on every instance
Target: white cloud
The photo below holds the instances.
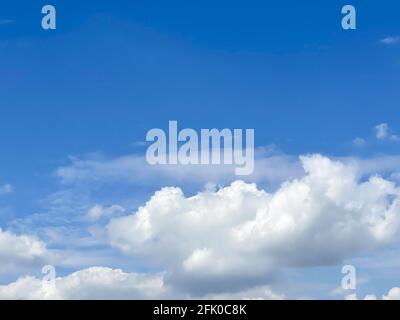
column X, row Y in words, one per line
column 20, row 251
column 256, row 293
column 107, row 283
column 391, row 40
column 98, row 212
column 5, row 189
column 394, row 138
column 91, row 283
column 381, row 131
column 240, row 235
column 353, row 296
column 273, row 169
column 393, row 294
column 133, row 168
column 384, row 165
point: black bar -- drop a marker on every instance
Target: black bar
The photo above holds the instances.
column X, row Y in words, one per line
column 199, row 309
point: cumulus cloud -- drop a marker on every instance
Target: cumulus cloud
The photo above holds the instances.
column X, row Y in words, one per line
column 20, row 251
column 107, row 283
column 91, row 283
column 393, row 294
column 239, row 236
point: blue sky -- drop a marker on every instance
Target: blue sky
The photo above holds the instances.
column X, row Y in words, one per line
column 115, row 69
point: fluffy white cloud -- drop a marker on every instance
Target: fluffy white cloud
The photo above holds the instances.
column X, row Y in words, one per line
column 393, row 294
column 240, row 235
column 20, row 251
column 370, row 297
column 91, row 283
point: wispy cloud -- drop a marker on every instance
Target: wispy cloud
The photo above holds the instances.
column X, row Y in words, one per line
column 381, row 131
column 7, row 188
column 6, row 21
column 359, row 142
column 273, row 168
column 390, row 40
